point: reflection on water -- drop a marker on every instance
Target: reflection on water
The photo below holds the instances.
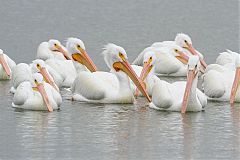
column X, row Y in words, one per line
column 119, row 132
column 86, row 131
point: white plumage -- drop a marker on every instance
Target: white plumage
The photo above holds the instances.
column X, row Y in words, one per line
column 65, row 69
column 167, row 63
column 218, row 79
column 52, row 49
column 27, row 97
column 149, row 60
column 69, row 69
column 167, row 96
column 226, row 57
column 24, row 72
column 105, row 87
column 170, row 65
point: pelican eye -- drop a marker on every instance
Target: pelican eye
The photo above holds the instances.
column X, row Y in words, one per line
column 35, row 81
column 121, row 55
column 150, row 57
column 176, row 50
column 55, row 44
column 195, row 66
column 185, row 41
column 38, row 65
column 78, row 46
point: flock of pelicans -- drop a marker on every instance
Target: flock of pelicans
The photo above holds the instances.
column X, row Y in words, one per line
column 36, row 86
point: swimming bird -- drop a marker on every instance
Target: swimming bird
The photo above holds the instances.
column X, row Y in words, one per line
column 23, row 72
column 108, row 87
column 52, row 49
column 36, row 95
column 185, row 42
column 146, row 73
column 220, row 83
column 69, row 69
column 6, row 66
column 57, row 57
column 81, row 60
column 170, row 60
column 182, row 95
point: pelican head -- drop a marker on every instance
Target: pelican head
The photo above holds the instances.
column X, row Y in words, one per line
column 185, row 41
column 177, row 52
column 236, row 81
column 149, row 60
column 77, row 49
column 55, row 45
column 38, row 85
column 39, row 66
column 116, row 59
column 193, row 68
column 4, row 64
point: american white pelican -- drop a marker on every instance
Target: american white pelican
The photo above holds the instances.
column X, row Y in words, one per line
column 6, row 66
column 23, row 72
column 146, row 73
column 81, row 60
column 52, row 49
column 221, row 83
column 170, row 60
column 184, row 41
column 180, row 96
column 57, row 57
column 68, row 69
column 105, row 87
column 36, row 95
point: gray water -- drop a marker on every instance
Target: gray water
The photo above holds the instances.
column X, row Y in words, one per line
column 83, row 131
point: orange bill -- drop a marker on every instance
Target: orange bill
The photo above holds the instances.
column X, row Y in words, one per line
column 85, row 60
column 194, row 52
column 42, row 91
column 235, row 85
column 5, row 65
column 190, row 77
column 126, row 67
column 182, row 57
column 48, row 78
column 144, row 73
column 64, row 52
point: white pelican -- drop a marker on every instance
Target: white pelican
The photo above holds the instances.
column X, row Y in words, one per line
column 36, row 95
column 52, row 49
column 221, row 83
column 81, row 60
column 180, row 96
column 68, row 69
column 170, row 60
column 146, row 73
column 6, row 66
column 184, row 41
column 23, row 72
column 56, row 56
column 105, row 87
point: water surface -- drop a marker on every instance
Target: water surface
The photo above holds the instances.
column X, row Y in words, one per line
column 83, row 131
